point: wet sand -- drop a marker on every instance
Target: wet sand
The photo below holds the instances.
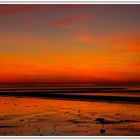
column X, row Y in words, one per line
column 51, row 117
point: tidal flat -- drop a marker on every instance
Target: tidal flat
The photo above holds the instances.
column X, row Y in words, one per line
column 34, row 116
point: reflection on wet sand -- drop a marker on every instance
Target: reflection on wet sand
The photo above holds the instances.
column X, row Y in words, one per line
column 38, row 116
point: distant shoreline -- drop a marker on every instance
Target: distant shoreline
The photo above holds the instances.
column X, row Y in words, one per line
column 65, row 89
column 62, row 94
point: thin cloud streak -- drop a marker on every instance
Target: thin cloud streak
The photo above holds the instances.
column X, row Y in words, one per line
column 67, row 20
column 10, row 10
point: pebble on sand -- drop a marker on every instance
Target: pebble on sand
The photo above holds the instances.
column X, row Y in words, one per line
column 102, row 131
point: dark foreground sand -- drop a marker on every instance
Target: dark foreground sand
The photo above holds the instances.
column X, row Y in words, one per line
column 50, row 117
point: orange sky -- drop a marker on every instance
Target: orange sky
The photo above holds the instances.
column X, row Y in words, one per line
column 70, row 43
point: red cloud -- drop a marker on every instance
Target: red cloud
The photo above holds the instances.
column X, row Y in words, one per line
column 68, row 20
column 13, row 9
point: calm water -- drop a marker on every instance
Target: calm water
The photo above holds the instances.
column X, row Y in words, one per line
column 38, row 116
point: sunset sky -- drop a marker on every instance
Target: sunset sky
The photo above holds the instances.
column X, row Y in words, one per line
column 70, row 43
